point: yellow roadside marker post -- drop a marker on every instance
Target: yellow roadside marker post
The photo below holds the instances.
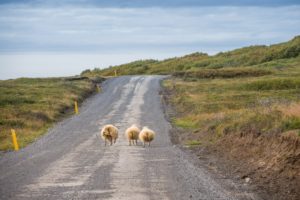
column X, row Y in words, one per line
column 76, row 107
column 14, row 139
column 115, row 72
column 98, row 88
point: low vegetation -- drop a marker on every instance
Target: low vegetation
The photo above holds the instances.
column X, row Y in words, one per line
column 193, row 143
column 201, row 65
column 250, row 104
column 31, row 105
column 221, row 73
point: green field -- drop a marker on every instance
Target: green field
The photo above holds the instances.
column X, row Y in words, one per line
column 32, row 105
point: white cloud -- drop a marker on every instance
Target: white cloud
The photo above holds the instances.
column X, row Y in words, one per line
column 96, row 29
column 158, row 32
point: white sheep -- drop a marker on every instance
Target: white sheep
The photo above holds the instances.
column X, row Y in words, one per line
column 109, row 132
column 132, row 134
column 146, row 135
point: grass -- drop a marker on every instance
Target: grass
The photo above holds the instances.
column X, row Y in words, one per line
column 191, row 143
column 268, row 104
column 32, row 105
column 185, row 123
column 274, row 84
column 222, row 73
column 291, row 123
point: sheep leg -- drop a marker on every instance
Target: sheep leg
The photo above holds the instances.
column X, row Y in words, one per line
column 129, row 142
column 149, row 144
column 144, row 144
column 105, row 142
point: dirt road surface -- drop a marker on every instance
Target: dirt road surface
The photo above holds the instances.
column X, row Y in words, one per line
column 71, row 162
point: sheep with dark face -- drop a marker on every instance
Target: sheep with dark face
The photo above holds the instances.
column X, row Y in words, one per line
column 109, row 133
column 146, row 136
column 132, row 134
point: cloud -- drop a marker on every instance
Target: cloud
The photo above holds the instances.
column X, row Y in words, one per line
column 104, row 30
column 153, row 3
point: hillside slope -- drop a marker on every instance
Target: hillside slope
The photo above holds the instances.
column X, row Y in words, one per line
column 247, row 56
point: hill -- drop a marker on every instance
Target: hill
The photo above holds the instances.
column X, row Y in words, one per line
column 243, row 57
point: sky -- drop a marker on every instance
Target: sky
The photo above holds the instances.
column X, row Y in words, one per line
column 43, row 38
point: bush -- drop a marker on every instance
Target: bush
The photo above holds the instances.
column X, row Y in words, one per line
column 87, row 71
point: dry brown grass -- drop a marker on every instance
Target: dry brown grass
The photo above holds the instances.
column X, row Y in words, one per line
column 292, row 110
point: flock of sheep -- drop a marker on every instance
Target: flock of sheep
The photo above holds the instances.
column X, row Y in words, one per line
column 110, row 133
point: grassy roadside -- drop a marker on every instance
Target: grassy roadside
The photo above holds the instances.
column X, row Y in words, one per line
column 32, row 105
column 268, row 103
column 251, row 121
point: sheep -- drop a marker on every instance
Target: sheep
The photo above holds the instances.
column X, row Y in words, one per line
column 109, row 132
column 132, row 134
column 146, row 135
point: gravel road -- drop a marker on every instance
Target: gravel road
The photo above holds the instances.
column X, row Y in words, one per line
column 71, row 162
